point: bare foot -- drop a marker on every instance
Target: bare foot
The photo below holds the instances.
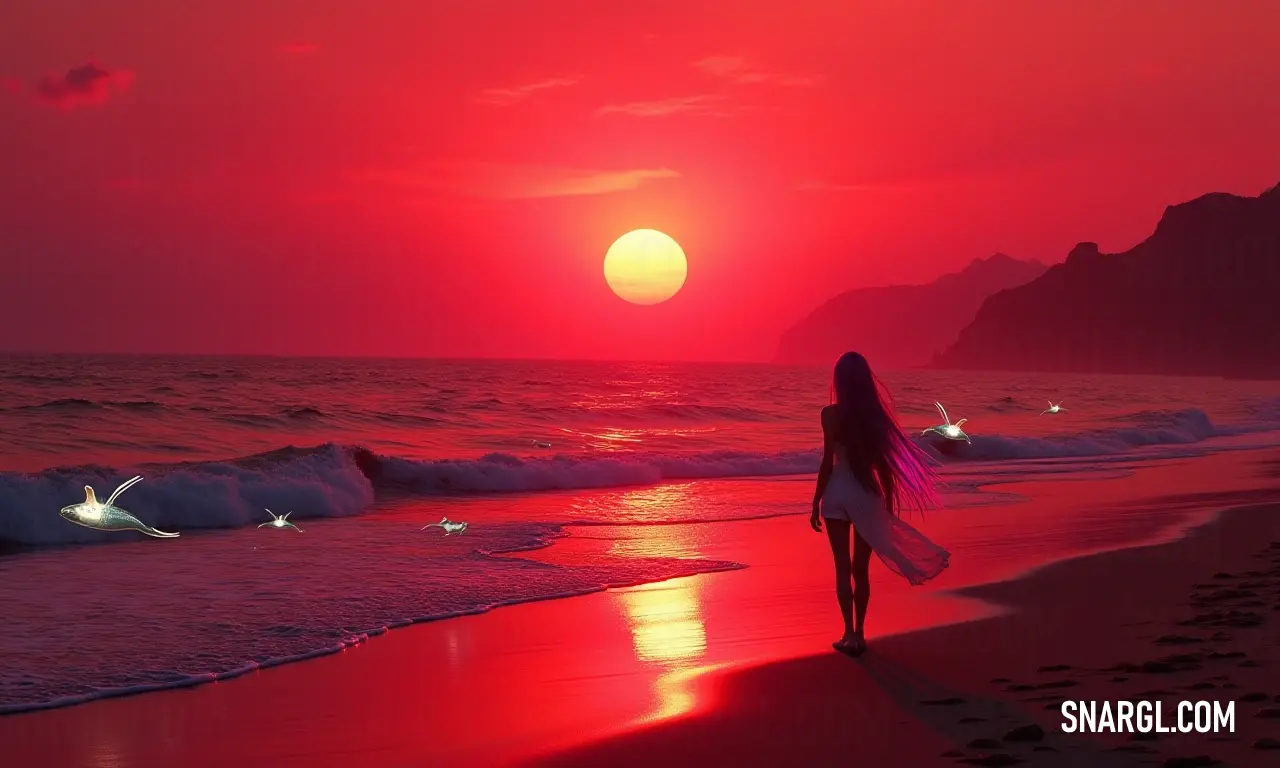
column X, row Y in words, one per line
column 851, row 645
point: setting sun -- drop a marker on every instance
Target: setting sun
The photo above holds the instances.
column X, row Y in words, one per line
column 645, row 266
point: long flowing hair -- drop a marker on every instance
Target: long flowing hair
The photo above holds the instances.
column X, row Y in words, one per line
column 874, row 442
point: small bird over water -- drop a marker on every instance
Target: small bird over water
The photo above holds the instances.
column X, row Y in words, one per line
column 448, row 525
column 281, row 521
column 1053, row 408
column 946, row 429
column 106, row 516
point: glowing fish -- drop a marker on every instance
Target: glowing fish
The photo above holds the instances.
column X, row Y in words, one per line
column 106, row 516
column 1054, row 408
column 946, row 429
column 448, row 525
column 281, row 521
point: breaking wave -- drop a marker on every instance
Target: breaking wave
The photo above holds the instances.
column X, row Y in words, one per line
column 335, row 480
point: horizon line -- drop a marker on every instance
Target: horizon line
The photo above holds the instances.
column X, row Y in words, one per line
column 8, row 353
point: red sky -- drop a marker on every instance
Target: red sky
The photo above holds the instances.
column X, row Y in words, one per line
column 443, row 177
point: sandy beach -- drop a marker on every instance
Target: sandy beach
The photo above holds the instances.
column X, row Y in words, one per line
column 449, row 384
column 735, row 666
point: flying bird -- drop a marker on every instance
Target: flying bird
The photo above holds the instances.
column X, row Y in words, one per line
column 946, row 429
column 281, row 521
column 1053, row 408
column 101, row 516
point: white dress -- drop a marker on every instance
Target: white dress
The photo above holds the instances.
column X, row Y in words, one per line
column 903, row 549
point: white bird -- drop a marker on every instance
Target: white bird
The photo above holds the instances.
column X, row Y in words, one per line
column 946, row 429
column 281, row 521
column 1054, row 408
column 448, row 525
column 106, row 516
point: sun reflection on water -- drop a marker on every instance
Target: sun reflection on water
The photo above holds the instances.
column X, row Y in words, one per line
column 622, row 439
column 657, row 503
column 667, row 629
column 666, row 623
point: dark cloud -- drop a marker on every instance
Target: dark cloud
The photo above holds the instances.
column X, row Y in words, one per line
column 82, row 86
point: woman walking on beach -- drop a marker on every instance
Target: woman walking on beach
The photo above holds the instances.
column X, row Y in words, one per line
column 870, row 472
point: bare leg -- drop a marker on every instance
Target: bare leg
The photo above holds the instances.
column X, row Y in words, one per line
column 838, row 535
column 862, row 583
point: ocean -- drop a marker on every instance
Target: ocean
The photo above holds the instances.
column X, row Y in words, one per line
column 364, row 453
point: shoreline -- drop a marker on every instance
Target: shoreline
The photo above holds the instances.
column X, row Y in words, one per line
column 643, row 650
column 362, row 636
column 564, row 539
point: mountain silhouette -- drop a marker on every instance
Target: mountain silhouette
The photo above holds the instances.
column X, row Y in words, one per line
column 901, row 326
column 1197, row 297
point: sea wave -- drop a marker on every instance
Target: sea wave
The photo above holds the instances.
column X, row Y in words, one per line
column 335, row 480
column 77, row 404
column 677, row 412
column 321, row 482
column 1154, row 428
column 505, row 473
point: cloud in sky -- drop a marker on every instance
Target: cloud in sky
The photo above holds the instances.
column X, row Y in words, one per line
column 727, row 69
column 501, row 181
column 828, row 186
column 706, row 103
column 81, row 86
column 299, row 49
column 502, row 97
column 738, row 70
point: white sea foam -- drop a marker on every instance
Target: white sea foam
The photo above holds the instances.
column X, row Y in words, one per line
column 325, row 482
column 336, row 481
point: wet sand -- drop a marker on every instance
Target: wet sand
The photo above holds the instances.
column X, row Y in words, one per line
column 1116, row 626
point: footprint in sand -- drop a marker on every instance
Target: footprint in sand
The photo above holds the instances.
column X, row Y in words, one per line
column 1199, row 761
column 1025, row 733
column 1140, row 749
column 1227, row 655
column 1177, row 640
column 998, row 759
column 1023, row 687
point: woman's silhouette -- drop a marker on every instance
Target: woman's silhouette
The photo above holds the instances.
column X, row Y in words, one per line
column 870, row 472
